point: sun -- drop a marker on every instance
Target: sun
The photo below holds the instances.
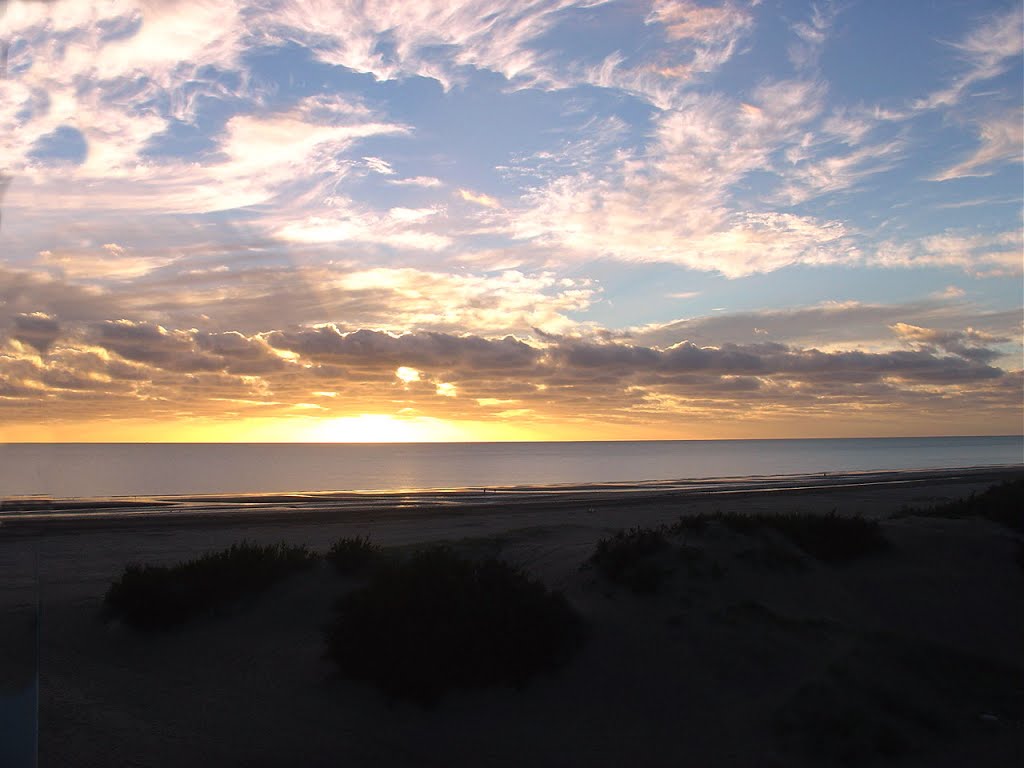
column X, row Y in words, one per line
column 380, row 428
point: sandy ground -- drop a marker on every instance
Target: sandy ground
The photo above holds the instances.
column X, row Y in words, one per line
column 752, row 654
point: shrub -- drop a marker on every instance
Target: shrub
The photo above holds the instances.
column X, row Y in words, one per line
column 627, row 558
column 158, row 597
column 695, row 524
column 439, row 621
column 353, row 555
column 1002, row 503
column 829, row 538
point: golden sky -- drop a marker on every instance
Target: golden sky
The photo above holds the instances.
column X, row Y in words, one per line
column 290, row 220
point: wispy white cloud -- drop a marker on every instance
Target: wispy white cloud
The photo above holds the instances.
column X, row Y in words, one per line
column 479, row 198
column 701, row 39
column 832, row 324
column 110, row 262
column 397, row 228
column 812, row 177
column 379, row 165
column 417, row 181
column 986, row 52
column 396, row 298
column 433, row 39
column 713, row 32
column 812, row 34
column 1002, row 141
column 675, row 202
column 978, row 254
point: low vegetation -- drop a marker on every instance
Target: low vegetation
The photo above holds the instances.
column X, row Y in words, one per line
column 438, row 621
column 629, row 558
column 1002, row 503
column 159, row 597
column 634, row 558
column 354, row 555
column 829, row 538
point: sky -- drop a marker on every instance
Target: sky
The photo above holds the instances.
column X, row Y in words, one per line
column 306, row 220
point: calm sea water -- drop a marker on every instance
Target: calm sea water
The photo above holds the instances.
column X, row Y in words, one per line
column 75, row 470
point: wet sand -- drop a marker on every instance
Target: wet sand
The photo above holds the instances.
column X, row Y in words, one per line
column 910, row 657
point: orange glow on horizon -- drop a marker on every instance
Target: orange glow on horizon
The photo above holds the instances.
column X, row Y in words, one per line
column 384, row 428
column 361, row 428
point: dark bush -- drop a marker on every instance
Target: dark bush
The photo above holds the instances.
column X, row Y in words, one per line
column 354, row 555
column 627, row 558
column 829, row 538
column 694, row 524
column 158, row 597
column 438, row 622
column 1002, row 503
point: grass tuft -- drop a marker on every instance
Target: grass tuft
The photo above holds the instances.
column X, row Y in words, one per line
column 829, row 538
column 159, row 597
column 1002, row 503
column 354, row 555
column 627, row 558
column 438, row 621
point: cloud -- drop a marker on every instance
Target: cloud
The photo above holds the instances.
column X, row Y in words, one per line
column 237, row 297
column 104, row 85
column 979, row 254
column 1002, row 141
column 676, row 201
column 396, row 228
column 128, row 368
column 811, row 35
column 697, row 41
column 967, row 344
column 109, row 262
column 434, row 38
column 811, row 178
column 37, row 329
column 417, row 181
column 479, row 198
column 986, row 52
column 712, row 31
column 407, row 375
column 831, row 325
column 420, row 351
column 258, row 159
column 769, row 359
column 379, row 165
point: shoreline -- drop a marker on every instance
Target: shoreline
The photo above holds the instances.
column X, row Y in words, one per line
column 37, row 516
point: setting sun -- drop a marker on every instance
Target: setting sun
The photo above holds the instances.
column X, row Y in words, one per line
column 378, row 428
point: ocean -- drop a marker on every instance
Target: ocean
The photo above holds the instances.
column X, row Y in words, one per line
column 83, row 470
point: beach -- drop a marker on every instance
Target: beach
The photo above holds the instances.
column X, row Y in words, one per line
column 751, row 654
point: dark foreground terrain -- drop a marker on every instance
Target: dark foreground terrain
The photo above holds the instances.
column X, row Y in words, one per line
column 712, row 642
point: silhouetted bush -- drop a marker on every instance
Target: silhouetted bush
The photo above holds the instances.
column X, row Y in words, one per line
column 695, row 524
column 627, row 558
column 1002, row 503
column 354, row 555
column 438, row 621
column 157, row 597
column 829, row 538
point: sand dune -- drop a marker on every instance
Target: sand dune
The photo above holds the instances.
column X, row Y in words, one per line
column 751, row 653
